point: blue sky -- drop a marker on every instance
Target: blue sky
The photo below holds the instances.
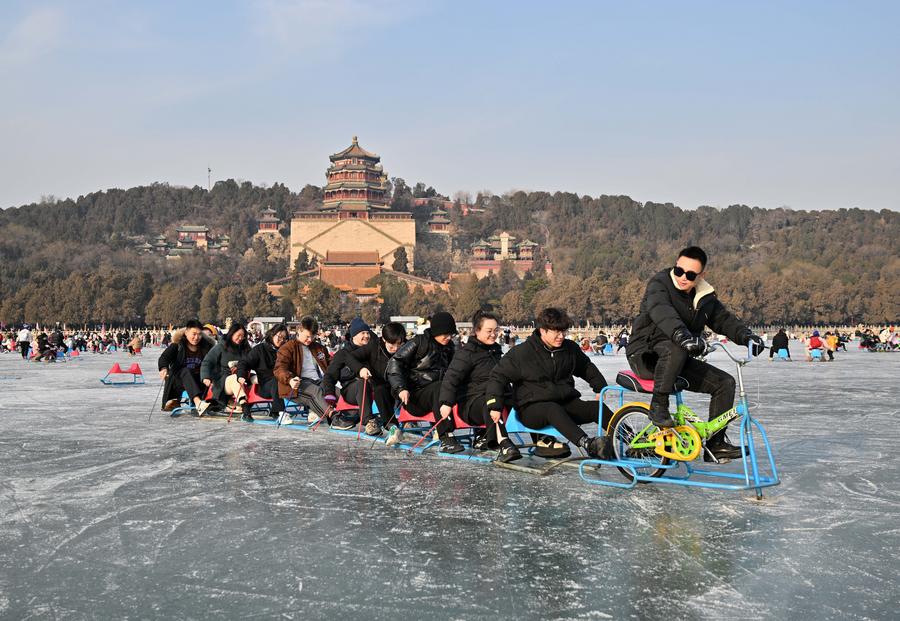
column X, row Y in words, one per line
column 764, row 103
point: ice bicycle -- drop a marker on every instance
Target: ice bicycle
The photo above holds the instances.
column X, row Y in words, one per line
column 644, row 453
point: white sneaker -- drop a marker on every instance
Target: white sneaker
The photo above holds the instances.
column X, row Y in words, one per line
column 201, row 409
column 395, row 436
column 311, row 418
column 286, row 419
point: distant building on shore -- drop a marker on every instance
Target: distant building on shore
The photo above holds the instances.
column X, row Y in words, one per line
column 488, row 255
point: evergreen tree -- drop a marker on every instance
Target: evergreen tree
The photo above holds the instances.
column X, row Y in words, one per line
column 400, row 263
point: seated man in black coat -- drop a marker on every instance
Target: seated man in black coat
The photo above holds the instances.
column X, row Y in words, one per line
column 542, row 372
column 179, row 366
column 415, row 372
column 667, row 333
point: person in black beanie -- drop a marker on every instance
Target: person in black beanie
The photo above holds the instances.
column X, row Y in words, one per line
column 341, row 371
column 415, row 372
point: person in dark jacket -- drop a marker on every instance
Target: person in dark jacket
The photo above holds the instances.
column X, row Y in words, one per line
column 261, row 361
column 219, row 369
column 179, row 365
column 465, row 385
column 370, row 362
column 415, row 372
column 779, row 341
column 257, row 367
column 299, row 368
column 667, row 333
column 542, row 371
column 341, row 372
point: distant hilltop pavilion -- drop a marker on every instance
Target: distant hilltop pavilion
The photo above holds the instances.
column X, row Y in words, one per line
column 355, row 214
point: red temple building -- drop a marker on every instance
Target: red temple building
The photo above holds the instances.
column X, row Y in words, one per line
column 268, row 221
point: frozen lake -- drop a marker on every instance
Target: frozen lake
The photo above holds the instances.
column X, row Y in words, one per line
column 106, row 515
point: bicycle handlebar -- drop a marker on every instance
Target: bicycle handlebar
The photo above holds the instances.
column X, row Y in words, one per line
column 740, row 361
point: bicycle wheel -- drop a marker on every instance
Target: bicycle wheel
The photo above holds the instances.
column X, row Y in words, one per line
column 628, row 430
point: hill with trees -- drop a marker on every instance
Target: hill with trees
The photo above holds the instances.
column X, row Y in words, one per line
column 75, row 260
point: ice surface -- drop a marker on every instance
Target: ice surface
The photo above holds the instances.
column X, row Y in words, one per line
column 106, row 515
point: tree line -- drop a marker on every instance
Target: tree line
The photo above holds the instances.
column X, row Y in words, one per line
column 73, row 261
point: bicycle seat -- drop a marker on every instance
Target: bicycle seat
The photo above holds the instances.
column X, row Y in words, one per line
column 629, row 380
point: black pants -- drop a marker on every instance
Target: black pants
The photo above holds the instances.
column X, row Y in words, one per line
column 23, row 347
column 268, row 390
column 476, row 412
column 566, row 417
column 380, row 393
column 668, row 360
column 427, row 399
column 184, row 380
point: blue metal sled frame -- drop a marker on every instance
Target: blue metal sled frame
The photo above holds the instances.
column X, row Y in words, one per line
column 683, row 473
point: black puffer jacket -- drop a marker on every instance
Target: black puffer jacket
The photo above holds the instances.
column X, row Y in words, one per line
column 340, row 370
column 469, row 371
column 260, row 359
column 665, row 309
column 541, row 374
column 173, row 359
column 372, row 356
column 217, row 365
column 419, row 362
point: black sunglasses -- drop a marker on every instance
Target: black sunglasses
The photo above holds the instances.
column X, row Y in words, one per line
column 679, row 272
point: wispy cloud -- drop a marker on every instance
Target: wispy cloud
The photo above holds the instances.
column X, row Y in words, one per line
column 35, row 35
column 295, row 25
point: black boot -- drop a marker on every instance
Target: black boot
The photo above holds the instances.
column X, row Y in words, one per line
column 595, row 447
column 508, row 452
column 722, row 450
column 659, row 411
column 246, row 416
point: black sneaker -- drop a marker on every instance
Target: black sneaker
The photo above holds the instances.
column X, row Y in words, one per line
column 508, row 452
column 341, row 423
column 484, row 444
column 659, row 415
column 247, row 417
column 273, row 414
column 548, row 448
column 449, row 444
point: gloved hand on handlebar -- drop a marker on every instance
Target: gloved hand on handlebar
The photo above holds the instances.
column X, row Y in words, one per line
column 693, row 345
column 754, row 341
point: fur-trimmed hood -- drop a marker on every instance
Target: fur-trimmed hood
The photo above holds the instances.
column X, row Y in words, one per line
column 178, row 336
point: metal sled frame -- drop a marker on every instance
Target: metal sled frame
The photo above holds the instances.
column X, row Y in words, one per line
column 684, row 473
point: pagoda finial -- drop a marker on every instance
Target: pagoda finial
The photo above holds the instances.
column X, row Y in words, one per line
column 355, row 140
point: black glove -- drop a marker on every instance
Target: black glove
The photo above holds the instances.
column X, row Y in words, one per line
column 756, row 344
column 693, row 345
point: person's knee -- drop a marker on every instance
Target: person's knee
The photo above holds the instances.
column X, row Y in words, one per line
column 727, row 385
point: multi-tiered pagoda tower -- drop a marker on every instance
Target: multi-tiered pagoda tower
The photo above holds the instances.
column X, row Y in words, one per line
column 356, row 182
column 355, row 214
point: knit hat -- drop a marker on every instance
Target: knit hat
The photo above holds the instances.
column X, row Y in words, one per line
column 815, row 333
column 442, row 323
column 357, row 326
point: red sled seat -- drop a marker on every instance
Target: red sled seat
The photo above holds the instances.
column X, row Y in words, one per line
column 406, row 416
column 343, row 406
column 253, row 396
column 628, row 379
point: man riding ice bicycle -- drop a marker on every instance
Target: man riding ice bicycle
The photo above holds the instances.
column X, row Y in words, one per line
column 667, row 334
